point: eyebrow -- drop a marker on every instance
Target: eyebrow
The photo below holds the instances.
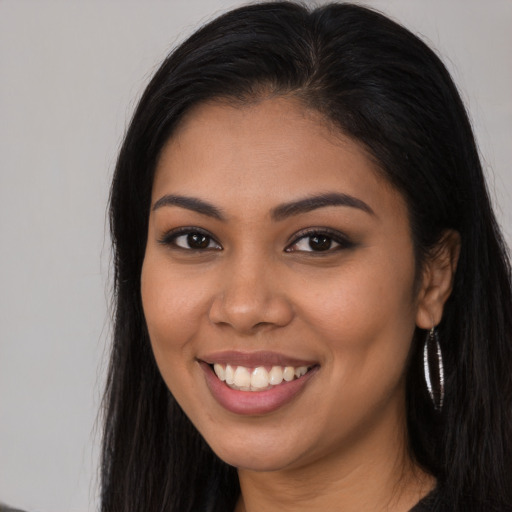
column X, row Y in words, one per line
column 308, row 204
column 280, row 212
column 190, row 203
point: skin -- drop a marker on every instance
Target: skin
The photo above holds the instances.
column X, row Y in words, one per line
column 341, row 443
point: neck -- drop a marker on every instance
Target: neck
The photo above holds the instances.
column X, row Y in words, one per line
column 378, row 476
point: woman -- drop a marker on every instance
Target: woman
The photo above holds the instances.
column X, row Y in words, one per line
column 312, row 294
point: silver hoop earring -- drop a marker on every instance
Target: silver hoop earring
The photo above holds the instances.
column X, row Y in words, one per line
column 433, row 368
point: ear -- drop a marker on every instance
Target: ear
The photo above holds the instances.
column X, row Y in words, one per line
column 437, row 279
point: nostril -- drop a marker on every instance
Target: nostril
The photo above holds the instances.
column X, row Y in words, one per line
column 249, row 312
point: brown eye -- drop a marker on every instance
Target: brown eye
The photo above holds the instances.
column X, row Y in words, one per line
column 316, row 242
column 320, row 242
column 198, row 240
column 191, row 240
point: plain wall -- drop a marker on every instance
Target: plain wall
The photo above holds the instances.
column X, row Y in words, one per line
column 71, row 73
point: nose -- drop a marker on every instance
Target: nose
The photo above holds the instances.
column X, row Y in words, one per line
column 250, row 298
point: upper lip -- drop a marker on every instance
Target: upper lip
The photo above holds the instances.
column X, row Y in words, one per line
column 254, row 359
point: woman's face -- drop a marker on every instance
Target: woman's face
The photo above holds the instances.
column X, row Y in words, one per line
column 276, row 248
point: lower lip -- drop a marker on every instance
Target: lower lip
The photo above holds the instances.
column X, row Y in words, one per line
column 254, row 402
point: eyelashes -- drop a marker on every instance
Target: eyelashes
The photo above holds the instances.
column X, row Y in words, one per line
column 319, row 240
column 190, row 239
column 310, row 240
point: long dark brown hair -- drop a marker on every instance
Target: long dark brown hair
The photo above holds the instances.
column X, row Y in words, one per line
column 382, row 86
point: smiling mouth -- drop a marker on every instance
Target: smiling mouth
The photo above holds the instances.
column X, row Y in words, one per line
column 260, row 378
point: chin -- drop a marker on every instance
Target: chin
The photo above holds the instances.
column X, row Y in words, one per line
column 260, row 454
column 260, row 462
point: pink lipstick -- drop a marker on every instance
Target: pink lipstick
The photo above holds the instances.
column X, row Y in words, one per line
column 255, row 383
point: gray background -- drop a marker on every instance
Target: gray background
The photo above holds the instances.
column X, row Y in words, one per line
column 71, row 73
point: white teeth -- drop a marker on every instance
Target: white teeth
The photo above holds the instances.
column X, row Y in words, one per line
column 219, row 371
column 230, row 375
column 276, row 375
column 257, row 379
column 300, row 371
column 242, row 377
column 289, row 373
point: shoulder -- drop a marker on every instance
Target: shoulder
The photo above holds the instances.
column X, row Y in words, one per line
column 427, row 504
column 5, row 508
column 434, row 502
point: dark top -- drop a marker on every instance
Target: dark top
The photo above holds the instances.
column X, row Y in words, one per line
column 426, row 504
column 423, row 506
column 434, row 502
column 5, row 508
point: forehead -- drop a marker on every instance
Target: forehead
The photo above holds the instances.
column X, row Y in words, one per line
column 265, row 152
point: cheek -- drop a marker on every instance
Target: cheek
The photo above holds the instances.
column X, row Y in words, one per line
column 364, row 319
column 173, row 307
column 365, row 309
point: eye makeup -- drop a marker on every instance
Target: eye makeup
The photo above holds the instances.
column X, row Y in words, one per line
column 197, row 239
column 319, row 240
